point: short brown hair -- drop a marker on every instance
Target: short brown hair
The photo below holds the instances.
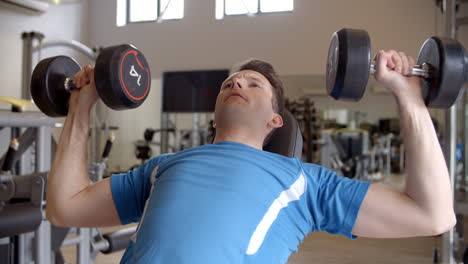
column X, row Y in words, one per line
column 267, row 70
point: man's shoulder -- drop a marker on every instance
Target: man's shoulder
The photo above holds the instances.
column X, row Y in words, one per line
column 161, row 158
column 157, row 160
column 316, row 172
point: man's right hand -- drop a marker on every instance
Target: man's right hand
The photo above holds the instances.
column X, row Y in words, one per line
column 85, row 96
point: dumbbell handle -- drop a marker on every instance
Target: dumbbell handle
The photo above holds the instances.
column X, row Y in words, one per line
column 69, row 85
column 423, row 70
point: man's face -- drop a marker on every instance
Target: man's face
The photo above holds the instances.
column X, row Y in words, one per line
column 245, row 99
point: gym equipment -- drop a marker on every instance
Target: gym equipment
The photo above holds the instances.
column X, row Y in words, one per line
column 96, row 169
column 21, row 204
column 442, row 66
column 24, row 216
column 115, row 241
column 122, row 78
column 305, row 113
column 10, row 155
column 25, row 140
column 143, row 150
column 18, row 105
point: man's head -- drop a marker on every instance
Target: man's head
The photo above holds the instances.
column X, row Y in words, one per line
column 252, row 97
column 267, row 70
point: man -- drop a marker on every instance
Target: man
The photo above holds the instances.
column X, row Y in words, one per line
column 231, row 202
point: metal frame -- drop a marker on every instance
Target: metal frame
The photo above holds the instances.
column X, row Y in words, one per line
column 450, row 29
column 37, row 246
column 76, row 45
column 197, row 128
column 43, row 125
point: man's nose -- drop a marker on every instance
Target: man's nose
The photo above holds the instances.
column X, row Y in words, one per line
column 238, row 83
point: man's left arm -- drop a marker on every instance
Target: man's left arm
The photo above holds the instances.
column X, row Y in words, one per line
column 425, row 207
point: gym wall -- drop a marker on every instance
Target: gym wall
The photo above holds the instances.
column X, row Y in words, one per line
column 58, row 22
column 68, row 22
column 296, row 43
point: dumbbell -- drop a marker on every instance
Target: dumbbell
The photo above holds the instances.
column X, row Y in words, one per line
column 122, row 77
column 442, row 65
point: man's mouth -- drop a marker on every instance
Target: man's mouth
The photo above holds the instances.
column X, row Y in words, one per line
column 236, row 94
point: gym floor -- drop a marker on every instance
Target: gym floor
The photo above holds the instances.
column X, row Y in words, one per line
column 327, row 248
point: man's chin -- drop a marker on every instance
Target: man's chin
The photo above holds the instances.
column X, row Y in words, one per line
column 235, row 108
column 234, row 113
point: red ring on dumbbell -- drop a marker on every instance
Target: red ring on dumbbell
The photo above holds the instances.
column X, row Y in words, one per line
column 135, row 53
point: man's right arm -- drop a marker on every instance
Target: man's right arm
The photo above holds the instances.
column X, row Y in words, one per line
column 71, row 200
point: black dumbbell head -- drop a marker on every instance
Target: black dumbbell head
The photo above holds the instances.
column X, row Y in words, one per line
column 446, row 58
column 47, row 84
column 348, row 64
column 122, row 77
column 466, row 66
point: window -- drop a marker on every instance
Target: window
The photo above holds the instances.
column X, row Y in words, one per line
column 134, row 11
column 251, row 7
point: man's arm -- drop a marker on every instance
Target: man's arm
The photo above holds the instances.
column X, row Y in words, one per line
column 426, row 205
column 71, row 200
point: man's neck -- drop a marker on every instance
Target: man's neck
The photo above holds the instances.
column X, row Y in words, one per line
column 236, row 135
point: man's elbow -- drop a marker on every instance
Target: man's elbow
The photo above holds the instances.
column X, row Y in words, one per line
column 52, row 217
column 444, row 224
column 55, row 218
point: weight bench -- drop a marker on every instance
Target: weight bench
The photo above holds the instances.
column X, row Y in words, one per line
column 286, row 140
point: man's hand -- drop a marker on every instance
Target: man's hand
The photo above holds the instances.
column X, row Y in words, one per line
column 391, row 68
column 85, row 96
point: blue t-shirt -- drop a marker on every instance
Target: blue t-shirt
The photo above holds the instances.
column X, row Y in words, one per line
column 230, row 203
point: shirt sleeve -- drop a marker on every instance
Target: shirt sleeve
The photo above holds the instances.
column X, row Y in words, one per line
column 334, row 201
column 131, row 190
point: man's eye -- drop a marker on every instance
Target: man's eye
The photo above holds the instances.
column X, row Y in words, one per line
column 227, row 85
column 254, row 85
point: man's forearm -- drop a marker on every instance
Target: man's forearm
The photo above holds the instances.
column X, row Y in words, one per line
column 69, row 174
column 427, row 180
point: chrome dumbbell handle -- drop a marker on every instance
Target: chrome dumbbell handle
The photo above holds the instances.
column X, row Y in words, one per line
column 423, row 70
column 69, row 85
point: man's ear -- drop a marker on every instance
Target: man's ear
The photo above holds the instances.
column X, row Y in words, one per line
column 276, row 121
column 214, row 124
